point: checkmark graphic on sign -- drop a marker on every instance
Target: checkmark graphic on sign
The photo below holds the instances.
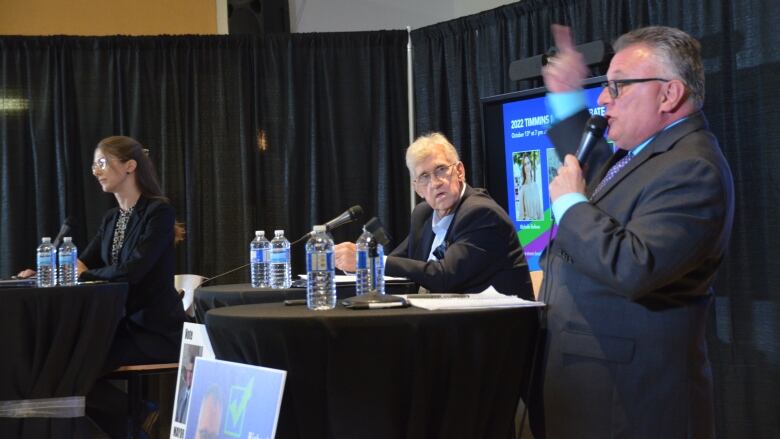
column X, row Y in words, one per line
column 239, row 398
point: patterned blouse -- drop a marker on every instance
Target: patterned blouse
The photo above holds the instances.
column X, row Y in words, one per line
column 119, row 233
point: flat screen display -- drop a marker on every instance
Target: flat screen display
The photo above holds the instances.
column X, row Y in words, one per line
column 521, row 161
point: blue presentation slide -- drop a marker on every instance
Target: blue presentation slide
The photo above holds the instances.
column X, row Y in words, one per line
column 531, row 163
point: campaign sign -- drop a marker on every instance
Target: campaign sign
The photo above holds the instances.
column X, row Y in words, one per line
column 234, row 400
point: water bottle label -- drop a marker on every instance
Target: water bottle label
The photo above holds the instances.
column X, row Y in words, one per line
column 362, row 259
column 44, row 260
column 320, row 262
column 280, row 256
column 258, row 255
column 68, row 259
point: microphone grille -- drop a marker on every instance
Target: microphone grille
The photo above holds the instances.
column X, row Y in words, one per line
column 355, row 211
column 597, row 124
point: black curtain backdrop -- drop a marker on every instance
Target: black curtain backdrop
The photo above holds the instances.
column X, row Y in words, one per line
column 248, row 133
column 457, row 62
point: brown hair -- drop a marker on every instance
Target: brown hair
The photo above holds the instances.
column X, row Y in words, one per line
column 125, row 149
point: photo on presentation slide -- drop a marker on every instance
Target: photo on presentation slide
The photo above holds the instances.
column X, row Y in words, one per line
column 527, row 171
column 553, row 163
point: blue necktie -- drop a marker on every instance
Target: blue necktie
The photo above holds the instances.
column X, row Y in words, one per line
column 620, row 164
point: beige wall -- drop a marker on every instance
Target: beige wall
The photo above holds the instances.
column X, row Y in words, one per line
column 107, row 17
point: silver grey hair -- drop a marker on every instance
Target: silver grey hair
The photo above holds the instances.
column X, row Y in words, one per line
column 424, row 146
column 678, row 51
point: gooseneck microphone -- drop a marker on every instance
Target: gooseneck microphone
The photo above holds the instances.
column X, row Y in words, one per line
column 65, row 230
column 594, row 130
column 348, row 216
column 378, row 230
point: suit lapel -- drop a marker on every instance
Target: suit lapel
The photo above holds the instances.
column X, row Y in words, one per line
column 426, row 240
column 132, row 224
column 467, row 193
column 135, row 219
column 662, row 143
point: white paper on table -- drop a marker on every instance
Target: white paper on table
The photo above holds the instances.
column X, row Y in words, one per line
column 490, row 298
column 350, row 278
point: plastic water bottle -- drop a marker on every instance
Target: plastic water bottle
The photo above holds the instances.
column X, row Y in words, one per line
column 67, row 256
column 280, row 261
column 362, row 281
column 376, row 266
column 45, row 271
column 259, row 258
column 320, row 270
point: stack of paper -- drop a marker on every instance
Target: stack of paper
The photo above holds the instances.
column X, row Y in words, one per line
column 490, row 298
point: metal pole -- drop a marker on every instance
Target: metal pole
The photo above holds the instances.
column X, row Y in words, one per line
column 410, row 99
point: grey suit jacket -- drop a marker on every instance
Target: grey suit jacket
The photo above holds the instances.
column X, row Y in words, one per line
column 628, row 288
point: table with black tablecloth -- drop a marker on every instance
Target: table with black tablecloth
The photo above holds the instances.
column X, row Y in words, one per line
column 392, row 373
column 54, row 343
column 217, row 296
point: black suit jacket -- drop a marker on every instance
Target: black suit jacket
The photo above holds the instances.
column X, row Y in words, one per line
column 629, row 288
column 482, row 250
column 153, row 311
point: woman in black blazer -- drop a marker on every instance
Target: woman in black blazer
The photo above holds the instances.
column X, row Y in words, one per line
column 135, row 244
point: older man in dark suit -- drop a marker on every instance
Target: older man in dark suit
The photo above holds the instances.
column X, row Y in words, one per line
column 640, row 236
column 460, row 240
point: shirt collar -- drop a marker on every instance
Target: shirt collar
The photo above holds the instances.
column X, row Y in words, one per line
column 634, row 152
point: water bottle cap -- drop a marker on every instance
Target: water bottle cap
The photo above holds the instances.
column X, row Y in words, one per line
column 259, row 232
column 278, row 232
column 46, row 239
column 67, row 239
column 320, row 228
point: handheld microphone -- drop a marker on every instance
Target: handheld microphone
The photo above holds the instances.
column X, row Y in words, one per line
column 348, row 216
column 65, row 230
column 594, row 130
column 378, row 230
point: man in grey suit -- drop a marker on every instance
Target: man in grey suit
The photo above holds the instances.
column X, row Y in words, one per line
column 640, row 235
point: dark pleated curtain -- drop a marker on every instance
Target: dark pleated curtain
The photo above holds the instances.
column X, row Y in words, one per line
column 248, row 133
column 458, row 62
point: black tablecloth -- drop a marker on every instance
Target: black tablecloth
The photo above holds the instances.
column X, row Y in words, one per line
column 399, row 373
column 217, row 296
column 54, row 342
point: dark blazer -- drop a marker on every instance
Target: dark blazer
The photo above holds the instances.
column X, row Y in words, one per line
column 153, row 311
column 482, row 250
column 629, row 287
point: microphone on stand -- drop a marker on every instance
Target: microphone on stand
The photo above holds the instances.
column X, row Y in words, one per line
column 378, row 230
column 348, row 216
column 594, row 131
column 65, row 230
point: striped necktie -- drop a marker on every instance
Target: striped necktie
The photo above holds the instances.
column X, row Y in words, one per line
column 620, row 164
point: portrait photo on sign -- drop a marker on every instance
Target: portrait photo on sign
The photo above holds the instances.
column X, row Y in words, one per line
column 184, row 383
column 527, row 169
